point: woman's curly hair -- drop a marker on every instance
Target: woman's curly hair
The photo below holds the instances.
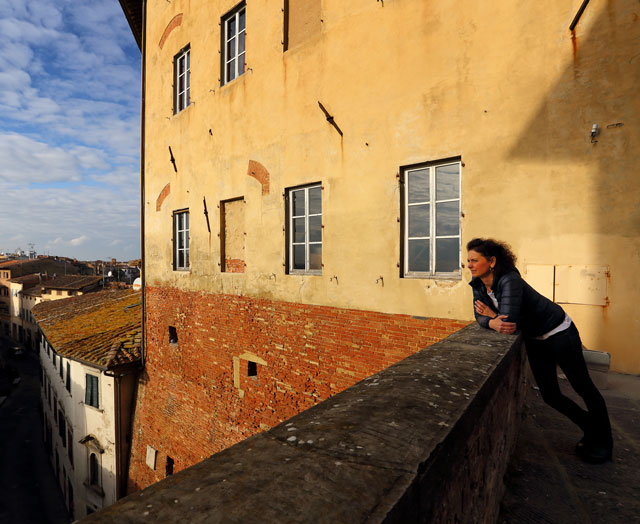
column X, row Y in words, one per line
column 488, row 247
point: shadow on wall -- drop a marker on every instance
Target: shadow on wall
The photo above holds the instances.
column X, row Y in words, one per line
column 598, row 86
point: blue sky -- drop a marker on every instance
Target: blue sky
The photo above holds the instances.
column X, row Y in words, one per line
column 69, row 129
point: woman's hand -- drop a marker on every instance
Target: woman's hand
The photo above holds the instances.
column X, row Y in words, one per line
column 483, row 309
column 498, row 324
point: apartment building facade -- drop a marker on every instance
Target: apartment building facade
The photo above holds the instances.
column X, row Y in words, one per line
column 89, row 356
column 313, row 169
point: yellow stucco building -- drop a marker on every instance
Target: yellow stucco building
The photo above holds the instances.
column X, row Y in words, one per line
column 341, row 154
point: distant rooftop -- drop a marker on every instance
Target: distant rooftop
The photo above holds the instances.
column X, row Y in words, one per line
column 72, row 282
column 102, row 328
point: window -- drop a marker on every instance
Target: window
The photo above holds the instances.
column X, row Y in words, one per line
column 94, row 477
column 168, row 470
column 181, row 80
column 173, row 335
column 431, row 219
column 54, row 359
column 304, row 229
column 61, row 370
column 62, row 427
column 181, row 240
column 233, row 52
column 91, row 391
column 68, row 383
column 70, row 448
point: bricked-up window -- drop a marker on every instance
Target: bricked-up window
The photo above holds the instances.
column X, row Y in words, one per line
column 91, row 391
column 304, row 229
column 181, row 80
column 181, row 240
column 302, row 21
column 232, row 234
column 233, row 39
column 430, row 205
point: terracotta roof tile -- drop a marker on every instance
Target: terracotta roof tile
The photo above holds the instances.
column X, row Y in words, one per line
column 71, row 282
column 102, row 328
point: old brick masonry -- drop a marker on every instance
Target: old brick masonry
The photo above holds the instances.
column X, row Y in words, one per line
column 288, row 357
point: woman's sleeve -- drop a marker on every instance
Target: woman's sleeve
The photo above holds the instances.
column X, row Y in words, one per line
column 511, row 298
column 483, row 320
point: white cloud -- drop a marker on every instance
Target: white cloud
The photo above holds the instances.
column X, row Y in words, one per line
column 79, row 240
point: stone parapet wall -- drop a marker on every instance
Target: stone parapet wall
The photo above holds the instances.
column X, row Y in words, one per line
column 426, row 440
column 198, row 397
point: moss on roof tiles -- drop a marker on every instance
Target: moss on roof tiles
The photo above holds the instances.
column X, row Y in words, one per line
column 102, row 328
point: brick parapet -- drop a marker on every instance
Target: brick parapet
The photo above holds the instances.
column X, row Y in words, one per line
column 425, row 440
column 197, row 398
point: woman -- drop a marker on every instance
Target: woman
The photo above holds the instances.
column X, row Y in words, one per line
column 504, row 302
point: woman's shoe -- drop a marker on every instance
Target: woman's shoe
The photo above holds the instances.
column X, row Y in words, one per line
column 594, row 454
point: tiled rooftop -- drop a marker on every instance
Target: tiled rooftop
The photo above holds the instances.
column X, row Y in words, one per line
column 72, row 282
column 102, row 328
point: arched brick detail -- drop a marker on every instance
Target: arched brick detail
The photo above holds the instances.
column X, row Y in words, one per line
column 175, row 22
column 260, row 173
column 163, row 194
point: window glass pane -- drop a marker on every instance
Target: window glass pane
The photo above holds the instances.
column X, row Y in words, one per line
column 419, row 220
column 231, row 70
column 186, row 220
column 181, row 258
column 315, row 256
column 448, row 218
column 419, row 255
column 188, row 59
column 241, row 64
column 315, row 228
column 188, row 80
column 298, row 230
column 231, row 27
column 298, row 257
column 315, row 200
column 181, row 65
column 181, row 84
column 241, row 20
column 447, row 255
column 418, row 185
column 186, row 258
column 298, row 203
column 188, row 97
column 231, row 48
column 180, row 240
column 241, row 43
column 447, row 182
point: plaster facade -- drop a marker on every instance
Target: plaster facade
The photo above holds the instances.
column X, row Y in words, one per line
column 346, row 96
column 408, row 82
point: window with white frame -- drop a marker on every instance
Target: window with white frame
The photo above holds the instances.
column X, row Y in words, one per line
column 233, row 40
column 91, row 394
column 431, row 219
column 181, row 240
column 181, row 80
column 304, row 229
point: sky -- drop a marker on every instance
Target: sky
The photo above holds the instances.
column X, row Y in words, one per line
column 69, row 129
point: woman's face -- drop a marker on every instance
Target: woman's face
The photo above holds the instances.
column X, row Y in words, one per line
column 478, row 264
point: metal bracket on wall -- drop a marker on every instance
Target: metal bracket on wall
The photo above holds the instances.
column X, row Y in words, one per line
column 173, row 160
column 576, row 18
column 329, row 118
column 206, row 213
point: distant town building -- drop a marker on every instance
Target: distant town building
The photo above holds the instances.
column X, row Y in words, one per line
column 90, row 356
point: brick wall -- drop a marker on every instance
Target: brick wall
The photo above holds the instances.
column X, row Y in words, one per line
column 196, row 396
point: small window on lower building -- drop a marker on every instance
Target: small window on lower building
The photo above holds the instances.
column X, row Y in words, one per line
column 252, row 369
column 91, row 396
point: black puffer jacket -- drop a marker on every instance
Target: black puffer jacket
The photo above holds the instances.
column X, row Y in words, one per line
column 534, row 314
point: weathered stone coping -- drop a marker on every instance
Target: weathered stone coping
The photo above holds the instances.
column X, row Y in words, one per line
column 425, row 440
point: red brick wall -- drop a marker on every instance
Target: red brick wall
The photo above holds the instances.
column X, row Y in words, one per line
column 188, row 407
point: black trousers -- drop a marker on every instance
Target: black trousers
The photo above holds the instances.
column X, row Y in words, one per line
column 564, row 349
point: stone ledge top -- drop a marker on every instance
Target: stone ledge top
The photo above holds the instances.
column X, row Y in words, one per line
column 347, row 459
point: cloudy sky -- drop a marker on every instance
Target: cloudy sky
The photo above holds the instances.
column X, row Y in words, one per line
column 69, row 129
